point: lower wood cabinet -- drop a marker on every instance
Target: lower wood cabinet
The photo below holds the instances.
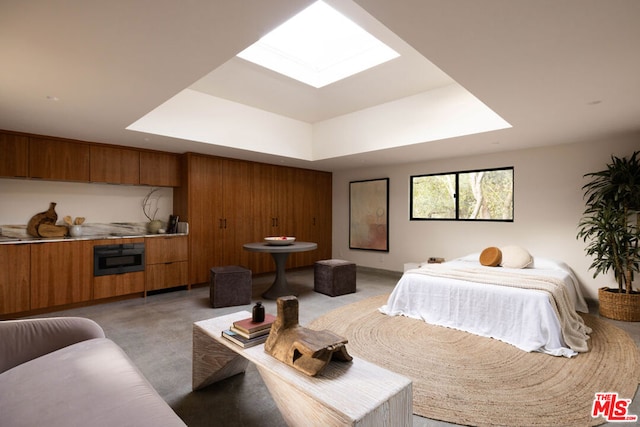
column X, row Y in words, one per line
column 15, row 285
column 166, row 262
column 61, row 273
column 118, row 284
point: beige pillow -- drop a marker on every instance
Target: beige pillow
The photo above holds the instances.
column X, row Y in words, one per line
column 515, row 257
column 491, row 257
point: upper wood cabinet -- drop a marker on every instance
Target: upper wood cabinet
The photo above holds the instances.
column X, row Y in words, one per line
column 159, row 169
column 14, row 161
column 58, row 160
column 114, row 165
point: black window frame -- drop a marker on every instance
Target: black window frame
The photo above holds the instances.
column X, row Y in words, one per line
column 456, row 198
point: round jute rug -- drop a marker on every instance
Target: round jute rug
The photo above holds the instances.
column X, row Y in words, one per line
column 466, row 379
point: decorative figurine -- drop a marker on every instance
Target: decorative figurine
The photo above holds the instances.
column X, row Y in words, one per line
column 306, row 350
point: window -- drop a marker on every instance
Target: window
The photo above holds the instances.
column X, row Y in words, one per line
column 481, row 195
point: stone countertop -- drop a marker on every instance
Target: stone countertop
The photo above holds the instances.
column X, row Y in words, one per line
column 18, row 240
column 12, row 234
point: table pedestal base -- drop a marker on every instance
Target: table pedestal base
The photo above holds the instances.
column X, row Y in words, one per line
column 280, row 286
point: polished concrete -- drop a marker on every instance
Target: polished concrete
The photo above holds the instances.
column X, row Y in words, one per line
column 156, row 333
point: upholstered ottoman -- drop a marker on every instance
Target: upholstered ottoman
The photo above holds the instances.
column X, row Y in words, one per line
column 230, row 285
column 334, row 277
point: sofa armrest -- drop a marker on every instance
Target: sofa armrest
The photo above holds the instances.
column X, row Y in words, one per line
column 27, row 339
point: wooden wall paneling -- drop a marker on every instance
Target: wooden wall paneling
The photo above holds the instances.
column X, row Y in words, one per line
column 114, row 165
column 15, row 273
column 14, row 161
column 61, row 273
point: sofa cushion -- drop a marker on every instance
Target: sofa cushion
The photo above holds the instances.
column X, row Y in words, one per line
column 91, row 383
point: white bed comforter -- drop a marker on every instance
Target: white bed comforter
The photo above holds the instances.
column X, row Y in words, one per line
column 525, row 318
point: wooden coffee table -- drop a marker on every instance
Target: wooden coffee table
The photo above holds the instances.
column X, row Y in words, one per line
column 355, row 393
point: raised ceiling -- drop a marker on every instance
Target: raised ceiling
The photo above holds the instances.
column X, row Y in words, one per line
column 558, row 72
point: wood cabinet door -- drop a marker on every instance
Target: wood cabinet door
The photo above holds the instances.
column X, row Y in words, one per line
column 160, row 169
column 15, row 261
column 114, row 165
column 205, row 215
column 14, row 161
column 169, row 275
column 312, row 191
column 164, row 249
column 118, row 284
column 61, row 273
column 237, row 212
column 58, row 160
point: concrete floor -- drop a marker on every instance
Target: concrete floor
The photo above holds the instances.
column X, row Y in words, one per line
column 156, row 334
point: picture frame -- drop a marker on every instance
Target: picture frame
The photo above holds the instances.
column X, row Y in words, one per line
column 369, row 215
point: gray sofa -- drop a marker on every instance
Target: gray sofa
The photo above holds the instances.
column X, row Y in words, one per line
column 64, row 372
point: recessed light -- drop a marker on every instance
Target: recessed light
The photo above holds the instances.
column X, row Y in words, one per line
column 318, row 46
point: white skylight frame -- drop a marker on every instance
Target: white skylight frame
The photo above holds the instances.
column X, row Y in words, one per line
column 318, row 46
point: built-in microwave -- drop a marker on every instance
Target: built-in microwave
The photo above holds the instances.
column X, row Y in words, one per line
column 118, row 258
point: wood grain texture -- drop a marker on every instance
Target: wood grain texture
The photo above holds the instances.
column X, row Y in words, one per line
column 114, row 165
column 358, row 393
column 14, row 161
column 58, row 159
column 61, row 273
column 15, row 278
column 161, row 169
column 213, row 361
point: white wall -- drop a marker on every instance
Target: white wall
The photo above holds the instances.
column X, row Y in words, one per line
column 547, row 201
column 20, row 199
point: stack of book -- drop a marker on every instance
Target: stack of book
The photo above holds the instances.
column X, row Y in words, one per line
column 247, row 333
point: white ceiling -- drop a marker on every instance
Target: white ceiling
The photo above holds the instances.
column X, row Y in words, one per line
column 558, row 72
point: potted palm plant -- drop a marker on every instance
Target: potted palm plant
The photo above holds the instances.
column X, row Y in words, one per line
column 611, row 228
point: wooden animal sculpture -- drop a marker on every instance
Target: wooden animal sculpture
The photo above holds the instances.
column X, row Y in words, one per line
column 47, row 217
column 307, row 350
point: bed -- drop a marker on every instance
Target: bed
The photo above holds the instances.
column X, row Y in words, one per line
column 534, row 307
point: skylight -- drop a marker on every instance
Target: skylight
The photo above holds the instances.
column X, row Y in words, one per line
column 318, row 46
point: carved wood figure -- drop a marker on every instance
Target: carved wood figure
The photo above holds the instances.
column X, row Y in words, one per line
column 307, row 350
column 47, row 217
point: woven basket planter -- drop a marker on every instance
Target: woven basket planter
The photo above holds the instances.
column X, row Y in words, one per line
column 619, row 306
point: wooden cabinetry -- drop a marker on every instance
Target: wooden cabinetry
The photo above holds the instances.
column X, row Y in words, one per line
column 216, row 202
column 58, row 160
column 14, row 161
column 114, row 165
column 166, row 262
column 15, row 261
column 114, row 285
column 61, row 273
column 312, row 214
column 230, row 202
column 159, row 169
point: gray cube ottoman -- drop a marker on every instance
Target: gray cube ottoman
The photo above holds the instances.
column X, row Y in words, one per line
column 334, row 277
column 230, row 285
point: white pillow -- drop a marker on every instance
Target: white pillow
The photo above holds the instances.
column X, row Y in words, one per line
column 515, row 257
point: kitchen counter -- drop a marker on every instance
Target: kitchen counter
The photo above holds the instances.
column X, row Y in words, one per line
column 18, row 240
column 16, row 234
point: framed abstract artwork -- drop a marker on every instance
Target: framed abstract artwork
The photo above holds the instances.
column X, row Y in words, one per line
column 369, row 215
